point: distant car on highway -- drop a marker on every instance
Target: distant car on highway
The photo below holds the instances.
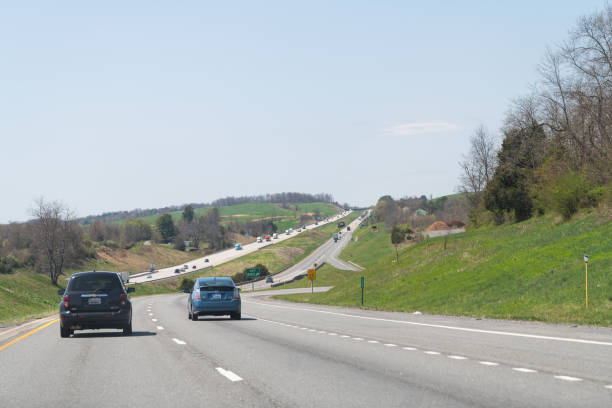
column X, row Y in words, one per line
column 206, row 260
column 269, row 279
column 177, row 270
column 275, row 236
column 95, row 300
column 238, row 247
column 299, row 230
column 185, row 266
column 216, row 296
column 267, row 238
column 259, row 240
column 341, row 224
column 149, row 276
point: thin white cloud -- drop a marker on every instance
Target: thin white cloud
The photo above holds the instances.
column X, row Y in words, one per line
column 421, row 128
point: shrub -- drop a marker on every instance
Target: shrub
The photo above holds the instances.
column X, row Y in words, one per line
column 567, row 193
column 186, row 283
column 8, row 264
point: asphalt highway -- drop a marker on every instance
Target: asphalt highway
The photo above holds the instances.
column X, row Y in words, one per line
column 328, row 252
column 292, row 355
column 221, row 257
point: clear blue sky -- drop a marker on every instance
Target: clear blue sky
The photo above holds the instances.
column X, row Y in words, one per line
column 141, row 104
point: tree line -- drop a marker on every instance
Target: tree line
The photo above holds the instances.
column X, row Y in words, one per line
column 556, row 150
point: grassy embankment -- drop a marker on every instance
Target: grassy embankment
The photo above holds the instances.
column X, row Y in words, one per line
column 533, row 270
column 29, row 295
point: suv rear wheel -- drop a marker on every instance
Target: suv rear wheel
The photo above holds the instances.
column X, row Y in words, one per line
column 64, row 332
column 235, row 316
column 127, row 330
column 194, row 316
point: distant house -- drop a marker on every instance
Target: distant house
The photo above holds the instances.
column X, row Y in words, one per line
column 420, row 211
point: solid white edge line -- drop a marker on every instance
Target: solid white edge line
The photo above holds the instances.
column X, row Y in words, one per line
column 177, row 341
column 441, row 326
column 160, row 328
column 228, row 374
column 524, row 370
column 567, row 378
column 488, row 363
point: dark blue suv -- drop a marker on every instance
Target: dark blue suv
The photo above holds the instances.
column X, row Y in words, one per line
column 95, row 300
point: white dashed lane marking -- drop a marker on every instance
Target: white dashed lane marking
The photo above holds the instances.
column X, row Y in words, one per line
column 609, row 387
column 567, row 378
column 228, row 374
column 150, row 314
column 430, row 352
column 524, row 370
column 154, row 320
column 177, row 341
column 160, row 328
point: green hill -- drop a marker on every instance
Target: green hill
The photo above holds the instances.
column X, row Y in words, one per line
column 283, row 217
column 533, row 270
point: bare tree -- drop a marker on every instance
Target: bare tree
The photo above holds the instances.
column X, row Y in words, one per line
column 479, row 165
column 57, row 236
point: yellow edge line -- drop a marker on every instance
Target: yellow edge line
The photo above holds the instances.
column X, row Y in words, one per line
column 10, row 343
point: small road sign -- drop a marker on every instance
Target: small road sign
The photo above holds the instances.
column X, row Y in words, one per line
column 252, row 273
column 312, row 274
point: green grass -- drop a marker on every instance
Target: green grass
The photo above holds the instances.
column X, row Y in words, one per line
column 532, row 270
column 253, row 211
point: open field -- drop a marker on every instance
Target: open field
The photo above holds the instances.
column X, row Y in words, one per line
column 255, row 211
column 532, row 270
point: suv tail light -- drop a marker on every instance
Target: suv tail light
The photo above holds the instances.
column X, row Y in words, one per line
column 196, row 294
column 236, row 293
column 123, row 297
column 66, row 303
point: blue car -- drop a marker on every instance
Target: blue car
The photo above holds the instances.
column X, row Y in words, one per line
column 214, row 296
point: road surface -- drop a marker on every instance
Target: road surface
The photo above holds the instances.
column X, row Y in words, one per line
column 293, row 355
column 328, row 252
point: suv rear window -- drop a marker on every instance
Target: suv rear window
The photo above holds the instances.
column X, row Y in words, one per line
column 92, row 283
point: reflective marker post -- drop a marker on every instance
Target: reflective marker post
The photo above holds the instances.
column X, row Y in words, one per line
column 362, row 285
column 586, row 280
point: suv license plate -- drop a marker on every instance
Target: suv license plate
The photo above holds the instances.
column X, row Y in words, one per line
column 216, row 296
column 95, row 301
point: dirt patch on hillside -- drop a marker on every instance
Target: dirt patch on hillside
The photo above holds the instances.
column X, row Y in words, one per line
column 438, row 226
column 139, row 259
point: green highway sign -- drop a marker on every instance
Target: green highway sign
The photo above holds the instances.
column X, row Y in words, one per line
column 252, row 273
column 362, row 282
